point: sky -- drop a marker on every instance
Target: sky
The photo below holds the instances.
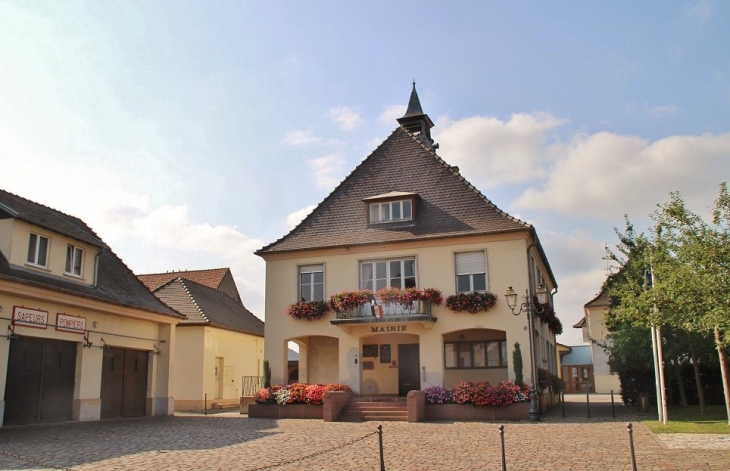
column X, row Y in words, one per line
column 189, row 134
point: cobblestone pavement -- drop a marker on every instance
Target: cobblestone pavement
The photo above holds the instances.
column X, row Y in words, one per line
column 193, row 442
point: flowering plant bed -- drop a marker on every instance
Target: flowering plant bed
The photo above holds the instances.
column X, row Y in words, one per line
column 296, row 393
column 479, row 394
column 309, row 310
column 293, row 401
column 468, row 412
column 471, row 302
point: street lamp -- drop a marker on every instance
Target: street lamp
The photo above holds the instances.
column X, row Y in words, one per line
column 530, row 308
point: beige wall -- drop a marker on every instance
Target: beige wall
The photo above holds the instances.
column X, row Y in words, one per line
column 118, row 326
column 506, row 266
column 18, row 251
column 596, row 330
column 197, row 349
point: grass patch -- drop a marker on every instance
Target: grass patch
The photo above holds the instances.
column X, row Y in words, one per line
column 687, row 420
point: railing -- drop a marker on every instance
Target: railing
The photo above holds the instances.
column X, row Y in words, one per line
column 380, row 310
column 251, row 384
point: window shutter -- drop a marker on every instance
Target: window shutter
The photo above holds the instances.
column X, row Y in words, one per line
column 471, row 262
column 310, row 268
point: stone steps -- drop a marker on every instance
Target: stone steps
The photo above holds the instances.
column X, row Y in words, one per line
column 384, row 409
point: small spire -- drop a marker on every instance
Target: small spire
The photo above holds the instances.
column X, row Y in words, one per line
column 414, row 104
column 416, row 121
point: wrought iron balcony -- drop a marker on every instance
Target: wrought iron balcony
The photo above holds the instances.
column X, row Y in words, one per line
column 386, row 312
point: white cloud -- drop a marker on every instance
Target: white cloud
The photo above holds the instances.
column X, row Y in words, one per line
column 327, row 170
column 301, row 138
column 391, row 114
column 605, row 175
column 654, row 111
column 701, row 10
column 347, row 118
column 292, row 219
column 491, row 152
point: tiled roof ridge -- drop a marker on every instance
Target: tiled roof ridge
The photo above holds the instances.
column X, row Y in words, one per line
column 192, row 298
column 78, row 222
column 331, row 193
column 183, row 271
column 467, row 182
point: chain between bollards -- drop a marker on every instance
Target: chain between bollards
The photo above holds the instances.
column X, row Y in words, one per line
column 629, row 427
column 380, row 444
column 504, row 458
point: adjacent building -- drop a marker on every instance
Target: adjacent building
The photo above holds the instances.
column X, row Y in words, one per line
column 405, row 218
column 220, row 343
column 84, row 338
column 593, row 366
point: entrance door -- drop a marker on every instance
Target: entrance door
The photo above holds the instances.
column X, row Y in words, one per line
column 123, row 383
column 40, row 381
column 409, row 366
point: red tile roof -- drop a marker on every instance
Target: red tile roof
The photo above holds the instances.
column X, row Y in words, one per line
column 211, row 278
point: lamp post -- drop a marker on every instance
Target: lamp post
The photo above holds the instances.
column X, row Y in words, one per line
column 529, row 307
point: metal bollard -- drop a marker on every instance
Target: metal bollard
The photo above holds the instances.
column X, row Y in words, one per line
column 631, row 443
column 380, row 444
column 613, row 407
column 563, row 401
column 504, row 458
column 588, row 404
column 205, row 405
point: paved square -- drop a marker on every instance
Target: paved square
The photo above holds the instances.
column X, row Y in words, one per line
column 232, row 441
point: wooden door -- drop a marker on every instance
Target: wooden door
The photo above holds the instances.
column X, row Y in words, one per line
column 112, row 381
column 57, row 386
column 135, row 383
column 409, row 366
column 40, row 381
column 124, row 383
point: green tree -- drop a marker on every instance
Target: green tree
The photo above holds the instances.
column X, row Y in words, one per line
column 693, row 272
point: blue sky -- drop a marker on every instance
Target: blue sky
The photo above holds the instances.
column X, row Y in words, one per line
column 189, row 134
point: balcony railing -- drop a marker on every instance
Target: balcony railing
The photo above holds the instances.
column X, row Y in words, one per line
column 380, row 310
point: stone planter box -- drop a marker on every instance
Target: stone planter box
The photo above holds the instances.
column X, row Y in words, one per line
column 469, row 412
column 289, row 411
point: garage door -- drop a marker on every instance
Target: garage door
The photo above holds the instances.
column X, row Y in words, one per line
column 40, row 381
column 123, row 383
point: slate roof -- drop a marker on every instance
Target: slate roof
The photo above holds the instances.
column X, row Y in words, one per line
column 211, row 278
column 115, row 281
column 203, row 305
column 447, row 204
column 601, row 299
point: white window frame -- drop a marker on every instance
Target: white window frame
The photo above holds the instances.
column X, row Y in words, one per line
column 382, row 212
column 74, row 261
column 469, row 264
column 388, row 275
column 310, row 270
column 34, row 251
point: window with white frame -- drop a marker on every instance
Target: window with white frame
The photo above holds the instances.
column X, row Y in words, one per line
column 471, row 271
column 475, row 354
column 393, row 273
column 38, row 250
column 311, row 282
column 391, row 211
column 74, row 260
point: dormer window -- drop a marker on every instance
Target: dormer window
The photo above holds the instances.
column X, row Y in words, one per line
column 38, row 250
column 74, row 260
column 391, row 207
